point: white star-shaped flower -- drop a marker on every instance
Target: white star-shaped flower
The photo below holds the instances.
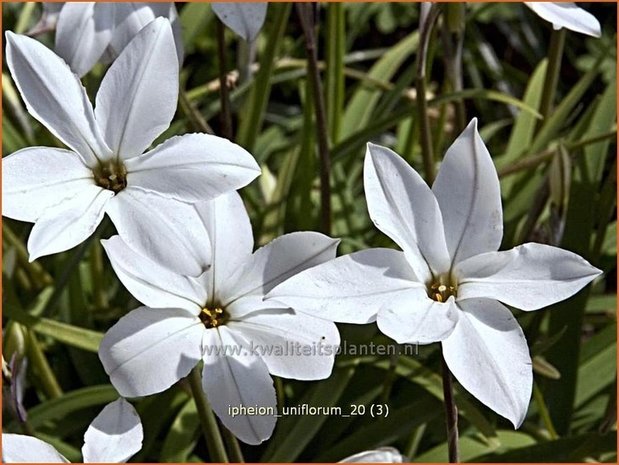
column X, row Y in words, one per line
column 114, row 436
column 448, row 283
column 567, row 15
column 148, row 196
column 220, row 318
column 380, row 455
column 88, row 32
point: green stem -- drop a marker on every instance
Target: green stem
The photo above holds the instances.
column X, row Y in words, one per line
column 422, row 103
column 413, row 446
column 236, row 454
column 224, row 95
column 193, row 114
column 42, row 277
column 532, row 161
column 335, row 82
column 210, row 428
column 45, row 373
column 451, row 414
column 555, row 54
column 256, row 103
column 453, row 40
column 306, row 16
column 543, row 412
column 96, row 272
column 389, row 378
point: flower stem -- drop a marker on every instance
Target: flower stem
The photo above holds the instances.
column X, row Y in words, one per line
column 543, row 411
column 453, row 41
column 555, row 54
column 224, row 95
column 236, row 454
column 210, row 428
column 451, row 414
column 306, row 17
column 422, row 103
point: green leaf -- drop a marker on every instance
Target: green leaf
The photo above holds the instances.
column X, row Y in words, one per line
column 74, row 336
column 73, row 401
column 293, row 433
column 182, row 435
column 383, row 431
column 570, row 449
column 361, row 107
column 472, row 447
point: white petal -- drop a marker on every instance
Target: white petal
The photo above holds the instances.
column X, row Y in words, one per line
column 348, row 289
column 193, row 167
column 137, row 97
column 17, row 448
column 82, row 36
column 567, row 15
column 149, row 282
column 488, row 354
column 36, row 178
column 131, row 17
column 277, row 261
column 380, row 455
column 402, row 206
column 468, row 191
column 167, row 231
column 528, row 277
column 69, row 223
column 238, row 380
column 245, row 19
column 292, row 345
column 55, row 96
column 412, row 317
column 231, row 236
column 150, row 349
column 114, row 436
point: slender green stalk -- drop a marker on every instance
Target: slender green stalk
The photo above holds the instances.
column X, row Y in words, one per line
column 224, row 95
column 389, row 378
column 543, row 411
column 210, row 428
column 68, row 267
column 306, row 16
column 255, row 105
column 234, row 448
column 96, row 273
column 453, row 40
column 192, row 113
column 38, row 273
column 555, row 54
column 335, row 80
column 534, row 160
column 413, row 446
column 46, row 375
column 422, row 102
column 451, row 414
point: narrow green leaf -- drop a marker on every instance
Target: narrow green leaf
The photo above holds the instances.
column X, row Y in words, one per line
column 293, row 433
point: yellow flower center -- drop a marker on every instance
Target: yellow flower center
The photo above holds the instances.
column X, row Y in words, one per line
column 441, row 288
column 213, row 317
column 111, row 175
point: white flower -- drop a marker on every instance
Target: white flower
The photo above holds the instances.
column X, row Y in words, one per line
column 147, row 196
column 114, row 436
column 380, row 455
column 245, row 19
column 447, row 284
column 567, row 15
column 220, row 318
column 88, row 32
